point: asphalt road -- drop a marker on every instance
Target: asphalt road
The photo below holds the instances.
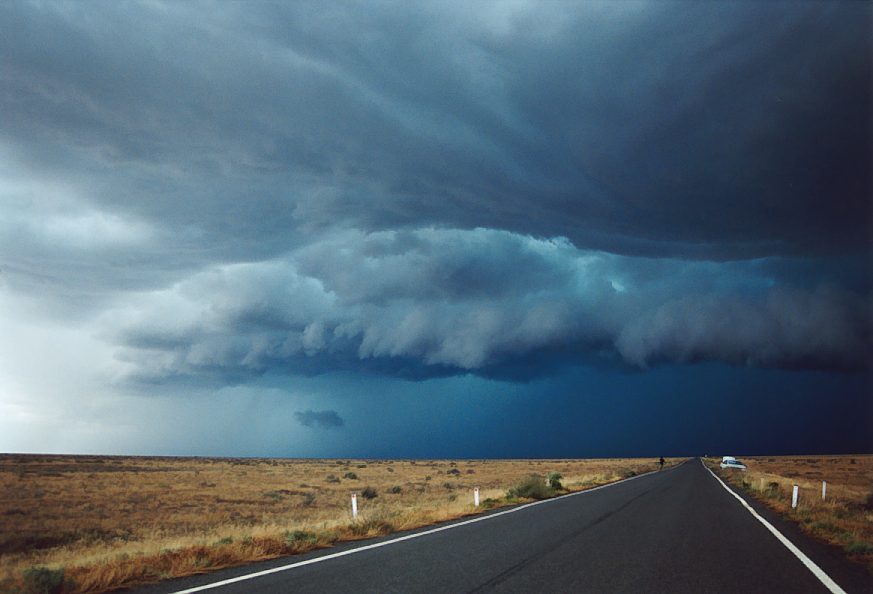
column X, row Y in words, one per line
column 673, row 531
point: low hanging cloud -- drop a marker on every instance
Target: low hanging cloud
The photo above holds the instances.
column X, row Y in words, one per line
column 322, row 419
column 438, row 301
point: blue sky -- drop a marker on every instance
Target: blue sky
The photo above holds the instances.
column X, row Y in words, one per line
column 436, row 229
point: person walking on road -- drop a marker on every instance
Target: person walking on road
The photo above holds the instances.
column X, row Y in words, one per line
column 661, row 463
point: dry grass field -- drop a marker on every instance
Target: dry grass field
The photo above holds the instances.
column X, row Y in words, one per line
column 844, row 518
column 89, row 524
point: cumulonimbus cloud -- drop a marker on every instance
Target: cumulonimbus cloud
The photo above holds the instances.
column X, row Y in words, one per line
column 454, row 301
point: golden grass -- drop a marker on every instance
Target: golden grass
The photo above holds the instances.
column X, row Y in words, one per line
column 111, row 522
column 844, row 518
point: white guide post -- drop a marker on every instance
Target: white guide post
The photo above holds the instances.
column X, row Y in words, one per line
column 476, row 496
column 794, row 497
column 824, row 490
column 354, row 505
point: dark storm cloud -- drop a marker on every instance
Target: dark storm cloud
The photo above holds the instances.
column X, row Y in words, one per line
column 717, row 130
column 403, row 304
column 242, row 189
column 323, row 419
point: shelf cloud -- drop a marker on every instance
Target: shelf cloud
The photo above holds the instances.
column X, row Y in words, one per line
column 465, row 301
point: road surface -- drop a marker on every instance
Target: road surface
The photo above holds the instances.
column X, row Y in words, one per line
column 676, row 531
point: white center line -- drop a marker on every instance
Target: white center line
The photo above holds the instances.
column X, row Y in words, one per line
column 817, row 571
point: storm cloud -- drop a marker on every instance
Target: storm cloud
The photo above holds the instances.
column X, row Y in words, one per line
column 705, row 130
column 466, row 301
column 206, row 196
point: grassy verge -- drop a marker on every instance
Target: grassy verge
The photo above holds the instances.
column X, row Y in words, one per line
column 844, row 518
column 253, row 518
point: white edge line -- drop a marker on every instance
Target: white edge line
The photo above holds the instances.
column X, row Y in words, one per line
column 817, row 571
column 385, row 543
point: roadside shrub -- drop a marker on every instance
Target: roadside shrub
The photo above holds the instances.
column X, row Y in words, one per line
column 773, row 490
column 42, row 580
column 300, row 537
column 533, row 487
column 395, row 489
column 825, row 526
column 351, row 476
column 332, row 478
column 308, row 499
column 371, row 527
column 859, row 548
column 555, row 480
column 453, row 471
column 369, row 493
column 488, row 503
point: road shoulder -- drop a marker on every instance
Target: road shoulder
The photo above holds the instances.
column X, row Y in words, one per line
column 852, row 577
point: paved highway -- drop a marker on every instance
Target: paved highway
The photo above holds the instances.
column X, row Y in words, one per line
column 675, row 531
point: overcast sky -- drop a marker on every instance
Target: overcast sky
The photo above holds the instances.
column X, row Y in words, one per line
column 436, row 229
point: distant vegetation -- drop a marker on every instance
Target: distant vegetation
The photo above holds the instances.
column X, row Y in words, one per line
column 90, row 523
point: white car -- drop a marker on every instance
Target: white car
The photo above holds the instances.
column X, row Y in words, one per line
column 731, row 462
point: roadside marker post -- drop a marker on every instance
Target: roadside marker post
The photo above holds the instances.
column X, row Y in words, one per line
column 354, row 506
column 794, row 497
column 476, row 496
column 824, row 490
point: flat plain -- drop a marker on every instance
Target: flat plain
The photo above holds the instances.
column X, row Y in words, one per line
column 95, row 523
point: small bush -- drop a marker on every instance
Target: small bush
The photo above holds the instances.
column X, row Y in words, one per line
column 395, row 489
column 533, row 487
column 453, row 471
column 308, row 499
column 370, row 527
column 332, row 478
column 859, row 548
column 350, row 476
column 369, row 493
column 555, row 480
column 489, row 503
column 223, row 541
column 42, row 580
column 827, row 527
column 300, row 537
column 453, row 496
